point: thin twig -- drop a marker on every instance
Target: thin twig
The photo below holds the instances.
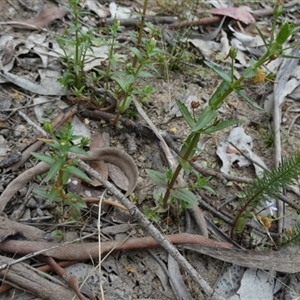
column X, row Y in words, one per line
column 151, row 229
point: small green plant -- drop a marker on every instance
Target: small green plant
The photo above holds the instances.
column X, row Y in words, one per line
column 75, row 44
column 118, row 76
column 181, row 197
column 268, row 186
column 207, row 122
column 61, row 168
column 267, row 136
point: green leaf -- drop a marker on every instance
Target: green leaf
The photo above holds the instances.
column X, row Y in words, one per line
column 283, row 34
column 54, row 144
column 185, row 113
column 144, row 74
column 42, row 191
column 77, row 172
column 295, row 30
column 152, row 68
column 120, row 82
column 249, row 72
column 215, row 101
column 240, row 225
column 57, row 234
column 208, row 188
column 54, row 169
column 207, row 115
column 75, row 213
column 225, row 76
column 185, row 165
column 186, row 196
column 65, row 177
column 248, row 99
column 78, row 150
column 151, row 213
column 129, row 79
column 124, row 104
column 159, row 178
column 220, row 125
column 261, row 35
column 75, row 200
column 187, row 144
column 136, row 52
column 43, row 157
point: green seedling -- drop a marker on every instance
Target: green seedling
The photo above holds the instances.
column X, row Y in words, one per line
column 61, row 169
column 119, row 77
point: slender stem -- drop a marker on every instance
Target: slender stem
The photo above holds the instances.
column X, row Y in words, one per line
column 185, row 156
column 141, row 29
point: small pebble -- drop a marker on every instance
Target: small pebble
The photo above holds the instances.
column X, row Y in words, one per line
column 20, row 130
column 142, row 158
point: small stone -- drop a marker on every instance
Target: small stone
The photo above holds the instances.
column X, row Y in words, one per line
column 142, row 158
column 20, row 130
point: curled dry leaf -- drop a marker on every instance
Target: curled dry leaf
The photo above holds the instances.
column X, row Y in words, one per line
column 9, row 50
column 100, row 166
column 44, row 18
column 236, row 13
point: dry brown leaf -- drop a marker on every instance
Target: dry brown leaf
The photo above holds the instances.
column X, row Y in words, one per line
column 118, row 177
column 9, row 50
column 231, row 150
column 100, row 166
column 236, row 13
column 44, row 18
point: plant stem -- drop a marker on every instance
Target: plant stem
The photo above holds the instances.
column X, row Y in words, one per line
column 141, row 29
column 178, row 169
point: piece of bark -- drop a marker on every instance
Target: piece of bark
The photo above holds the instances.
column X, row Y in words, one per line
column 44, row 18
column 29, row 279
column 83, row 251
column 281, row 261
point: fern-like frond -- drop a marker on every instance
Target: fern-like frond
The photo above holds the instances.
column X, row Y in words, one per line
column 291, row 237
column 271, row 184
column 274, row 181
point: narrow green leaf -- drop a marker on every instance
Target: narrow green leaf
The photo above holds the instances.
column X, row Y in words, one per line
column 187, row 144
column 283, row 34
column 129, row 79
column 75, row 200
column 225, row 76
column 152, row 68
column 215, row 101
column 77, row 172
column 207, row 115
column 186, row 196
column 261, row 35
column 185, row 165
column 54, row 169
column 120, row 82
column 220, row 125
column 65, row 177
column 136, row 52
column 249, row 72
column 295, row 30
column 124, row 104
column 144, row 74
column 158, row 177
column 185, row 113
column 78, row 150
column 248, row 99
column 43, row 157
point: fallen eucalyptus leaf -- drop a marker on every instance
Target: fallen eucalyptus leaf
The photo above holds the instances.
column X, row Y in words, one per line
column 44, row 18
column 29, row 85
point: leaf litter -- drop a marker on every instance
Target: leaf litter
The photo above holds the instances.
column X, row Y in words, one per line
column 14, row 48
